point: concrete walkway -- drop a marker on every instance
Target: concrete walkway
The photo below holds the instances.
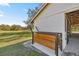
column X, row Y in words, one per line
column 72, row 49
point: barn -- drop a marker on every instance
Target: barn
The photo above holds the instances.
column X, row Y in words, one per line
column 52, row 26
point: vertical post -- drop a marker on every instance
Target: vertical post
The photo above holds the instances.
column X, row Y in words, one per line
column 61, row 44
column 32, row 34
column 60, row 40
column 68, row 27
column 67, row 38
column 32, row 37
column 56, row 45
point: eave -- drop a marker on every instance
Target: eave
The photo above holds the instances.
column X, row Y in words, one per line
column 40, row 10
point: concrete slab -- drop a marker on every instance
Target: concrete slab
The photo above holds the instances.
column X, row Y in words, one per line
column 44, row 49
column 72, row 49
column 41, row 49
column 31, row 47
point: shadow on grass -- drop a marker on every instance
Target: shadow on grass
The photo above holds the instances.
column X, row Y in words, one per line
column 18, row 50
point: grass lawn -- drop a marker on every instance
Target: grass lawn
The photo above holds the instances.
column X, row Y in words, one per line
column 11, row 44
column 18, row 50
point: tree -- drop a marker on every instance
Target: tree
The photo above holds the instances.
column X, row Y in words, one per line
column 7, row 27
column 31, row 13
column 14, row 27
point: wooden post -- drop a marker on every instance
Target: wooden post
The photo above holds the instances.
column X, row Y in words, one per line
column 61, row 45
column 56, row 45
column 32, row 34
column 32, row 37
column 61, row 41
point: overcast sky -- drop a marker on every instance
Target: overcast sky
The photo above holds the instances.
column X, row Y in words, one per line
column 15, row 13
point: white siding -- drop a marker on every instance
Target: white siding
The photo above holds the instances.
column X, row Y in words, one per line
column 51, row 24
column 52, row 19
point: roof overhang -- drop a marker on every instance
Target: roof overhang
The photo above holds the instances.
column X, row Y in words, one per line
column 40, row 10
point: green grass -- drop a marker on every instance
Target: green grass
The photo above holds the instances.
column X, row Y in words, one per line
column 18, row 50
column 11, row 35
column 15, row 33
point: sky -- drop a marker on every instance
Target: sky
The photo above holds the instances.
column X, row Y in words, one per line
column 15, row 13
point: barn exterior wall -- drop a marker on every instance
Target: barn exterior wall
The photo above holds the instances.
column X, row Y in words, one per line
column 52, row 19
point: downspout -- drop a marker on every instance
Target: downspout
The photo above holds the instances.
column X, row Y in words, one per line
column 37, row 28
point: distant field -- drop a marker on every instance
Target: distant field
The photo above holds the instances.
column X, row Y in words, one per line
column 15, row 33
column 13, row 37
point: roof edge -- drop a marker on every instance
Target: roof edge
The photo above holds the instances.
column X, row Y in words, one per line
column 32, row 20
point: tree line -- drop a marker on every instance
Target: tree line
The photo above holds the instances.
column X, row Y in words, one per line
column 13, row 27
